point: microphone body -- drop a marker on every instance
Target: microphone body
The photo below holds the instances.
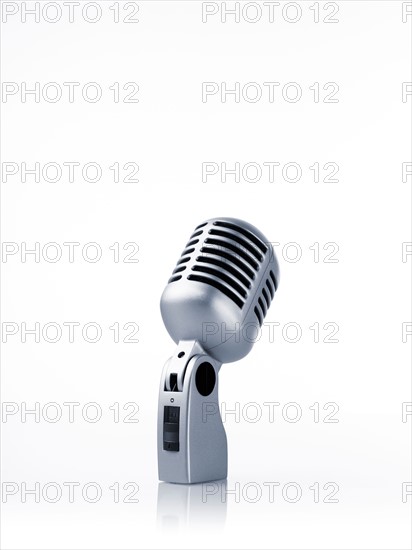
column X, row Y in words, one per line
column 213, row 307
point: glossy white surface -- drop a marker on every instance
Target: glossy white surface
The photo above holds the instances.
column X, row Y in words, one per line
column 169, row 134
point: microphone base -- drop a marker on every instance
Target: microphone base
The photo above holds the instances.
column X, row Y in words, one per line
column 192, row 444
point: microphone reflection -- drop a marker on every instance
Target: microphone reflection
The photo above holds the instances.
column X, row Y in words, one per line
column 182, row 506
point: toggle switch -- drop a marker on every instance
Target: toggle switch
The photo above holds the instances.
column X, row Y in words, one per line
column 171, row 419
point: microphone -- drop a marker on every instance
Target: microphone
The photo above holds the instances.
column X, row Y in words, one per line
column 213, row 307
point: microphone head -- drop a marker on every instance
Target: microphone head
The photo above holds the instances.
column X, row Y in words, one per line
column 221, row 288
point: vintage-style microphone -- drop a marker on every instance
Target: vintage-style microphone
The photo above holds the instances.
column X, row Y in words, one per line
column 213, row 306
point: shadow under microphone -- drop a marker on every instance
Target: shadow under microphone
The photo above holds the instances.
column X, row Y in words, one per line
column 213, row 307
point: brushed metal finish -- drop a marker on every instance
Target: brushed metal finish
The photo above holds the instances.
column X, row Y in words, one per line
column 213, row 306
column 194, row 310
column 203, row 447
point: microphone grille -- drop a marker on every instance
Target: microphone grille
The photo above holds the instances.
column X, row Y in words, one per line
column 228, row 256
column 266, row 296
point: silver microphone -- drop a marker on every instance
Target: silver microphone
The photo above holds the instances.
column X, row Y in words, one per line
column 213, row 306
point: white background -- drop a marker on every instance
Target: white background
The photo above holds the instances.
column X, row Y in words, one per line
column 169, row 133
